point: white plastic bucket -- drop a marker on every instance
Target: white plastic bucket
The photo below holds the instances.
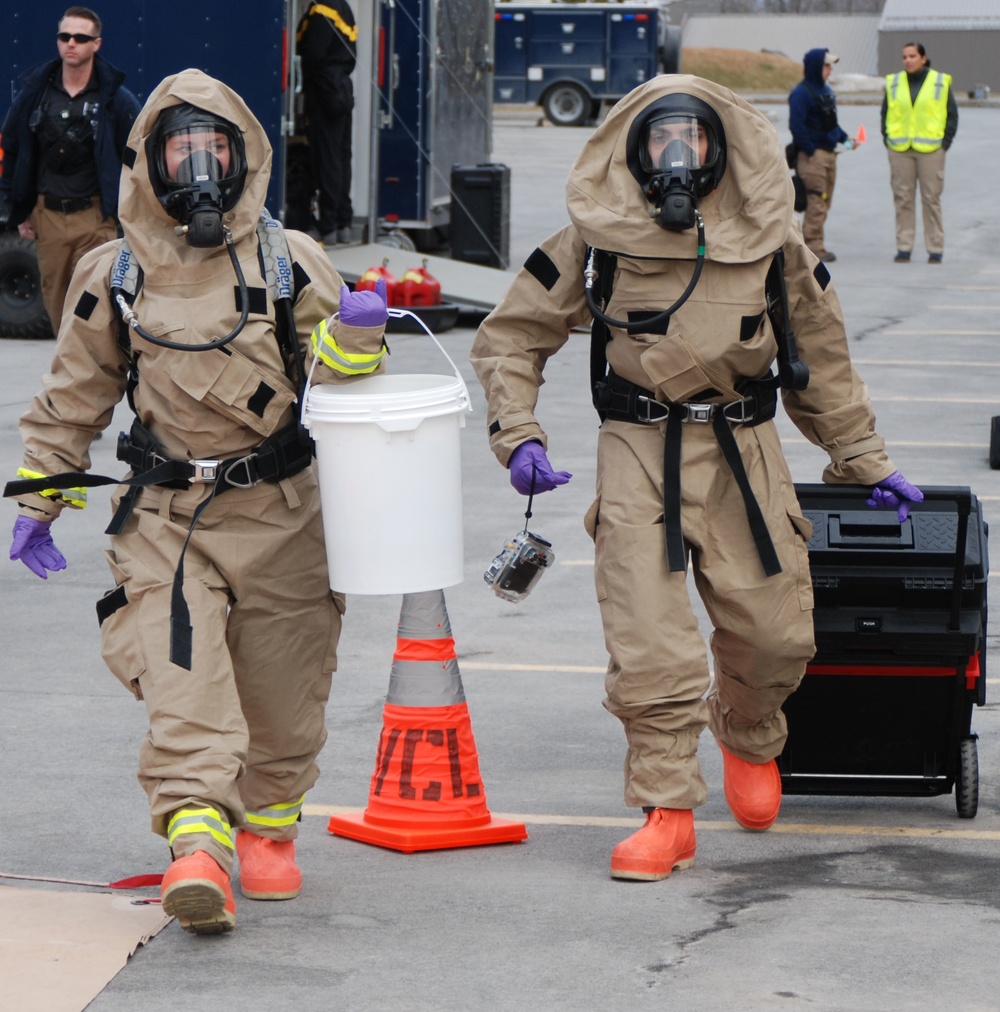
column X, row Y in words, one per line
column 390, row 478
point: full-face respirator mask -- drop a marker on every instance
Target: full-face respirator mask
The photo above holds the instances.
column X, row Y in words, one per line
column 198, row 168
column 677, row 152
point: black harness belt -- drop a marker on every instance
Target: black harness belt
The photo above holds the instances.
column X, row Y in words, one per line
column 624, row 401
column 279, row 456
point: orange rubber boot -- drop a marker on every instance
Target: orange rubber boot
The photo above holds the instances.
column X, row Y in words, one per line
column 196, row 891
column 753, row 791
column 664, row 844
column 267, row 868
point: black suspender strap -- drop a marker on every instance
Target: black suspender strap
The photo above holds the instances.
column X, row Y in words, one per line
column 758, row 528
column 672, row 533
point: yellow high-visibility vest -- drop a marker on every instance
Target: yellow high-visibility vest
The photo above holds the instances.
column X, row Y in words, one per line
column 918, row 125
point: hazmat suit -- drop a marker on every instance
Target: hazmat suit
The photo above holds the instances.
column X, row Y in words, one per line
column 702, row 353
column 233, row 741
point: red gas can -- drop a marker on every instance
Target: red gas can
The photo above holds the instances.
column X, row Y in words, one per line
column 418, row 287
column 366, row 283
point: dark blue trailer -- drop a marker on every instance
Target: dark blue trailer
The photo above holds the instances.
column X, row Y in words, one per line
column 422, row 91
column 570, row 57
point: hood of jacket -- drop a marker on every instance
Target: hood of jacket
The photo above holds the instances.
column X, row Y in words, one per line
column 147, row 226
column 746, row 218
column 812, row 66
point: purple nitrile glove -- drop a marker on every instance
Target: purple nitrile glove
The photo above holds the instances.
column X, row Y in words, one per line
column 895, row 493
column 32, row 544
column 529, row 461
column 364, row 309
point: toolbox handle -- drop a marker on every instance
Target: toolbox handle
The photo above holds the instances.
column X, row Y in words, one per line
column 869, row 529
column 961, row 497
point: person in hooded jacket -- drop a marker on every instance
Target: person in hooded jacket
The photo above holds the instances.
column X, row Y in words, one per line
column 812, row 119
column 235, row 726
column 685, row 189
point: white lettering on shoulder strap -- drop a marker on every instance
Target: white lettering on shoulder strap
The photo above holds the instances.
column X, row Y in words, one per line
column 277, row 258
column 273, row 246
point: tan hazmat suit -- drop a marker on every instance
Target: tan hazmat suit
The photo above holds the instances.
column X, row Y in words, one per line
column 235, row 739
column 762, row 625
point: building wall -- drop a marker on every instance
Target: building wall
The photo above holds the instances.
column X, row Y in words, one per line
column 969, row 56
column 853, row 39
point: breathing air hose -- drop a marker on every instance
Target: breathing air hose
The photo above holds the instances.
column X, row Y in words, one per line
column 645, row 324
column 131, row 318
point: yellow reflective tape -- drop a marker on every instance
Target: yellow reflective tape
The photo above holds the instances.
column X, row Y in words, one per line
column 338, row 22
column 326, row 349
column 199, row 820
column 284, row 814
column 78, row 499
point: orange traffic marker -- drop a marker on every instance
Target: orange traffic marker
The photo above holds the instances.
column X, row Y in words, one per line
column 862, row 136
column 426, row 791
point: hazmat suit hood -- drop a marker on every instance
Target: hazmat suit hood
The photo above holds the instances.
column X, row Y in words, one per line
column 747, row 217
column 150, row 231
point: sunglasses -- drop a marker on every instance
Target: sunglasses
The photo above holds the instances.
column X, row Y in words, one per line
column 79, row 38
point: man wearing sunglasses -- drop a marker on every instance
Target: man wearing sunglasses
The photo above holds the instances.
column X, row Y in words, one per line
column 63, row 139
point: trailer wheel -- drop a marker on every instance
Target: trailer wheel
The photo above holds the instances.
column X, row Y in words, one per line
column 995, row 442
column 22, row 312
column 967, row 784
column 566, row 104
column 398, row 239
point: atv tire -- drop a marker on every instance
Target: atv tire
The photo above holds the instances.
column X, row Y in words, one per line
column 22, row 311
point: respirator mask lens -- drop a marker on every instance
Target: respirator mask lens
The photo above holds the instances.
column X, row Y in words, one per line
column 674, row 141
column 674, row 150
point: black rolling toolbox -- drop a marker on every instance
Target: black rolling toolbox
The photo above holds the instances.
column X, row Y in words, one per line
column 885, row 707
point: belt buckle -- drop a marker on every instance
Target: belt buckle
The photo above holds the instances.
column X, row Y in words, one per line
column 241, row 462
column 699, row 414
column 743, row 417
column 204, row 471
column 648, row 403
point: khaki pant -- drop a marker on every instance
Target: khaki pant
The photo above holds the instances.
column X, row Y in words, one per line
column 242, row 729
column 819, row 172
column 61, row 241
column 763, row 633
column 907, row 171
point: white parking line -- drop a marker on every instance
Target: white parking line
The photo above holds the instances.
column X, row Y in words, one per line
column 786, row 828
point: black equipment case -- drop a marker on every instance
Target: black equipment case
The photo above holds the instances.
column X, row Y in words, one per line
column 885, row 707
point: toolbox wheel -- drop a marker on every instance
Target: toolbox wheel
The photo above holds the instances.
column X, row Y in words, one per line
column 995, row 442
column 967, row 784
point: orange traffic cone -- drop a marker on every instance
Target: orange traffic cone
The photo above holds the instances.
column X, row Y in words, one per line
column 862, row 136
column 426, row 791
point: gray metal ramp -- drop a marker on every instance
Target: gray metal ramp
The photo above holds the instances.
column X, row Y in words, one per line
column 462, row 283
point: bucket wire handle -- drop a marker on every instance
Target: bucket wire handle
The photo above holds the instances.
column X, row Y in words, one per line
column 398, row 314
column 306, row 388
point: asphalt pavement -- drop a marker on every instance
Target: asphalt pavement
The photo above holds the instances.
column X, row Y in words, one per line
column 846, row 904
